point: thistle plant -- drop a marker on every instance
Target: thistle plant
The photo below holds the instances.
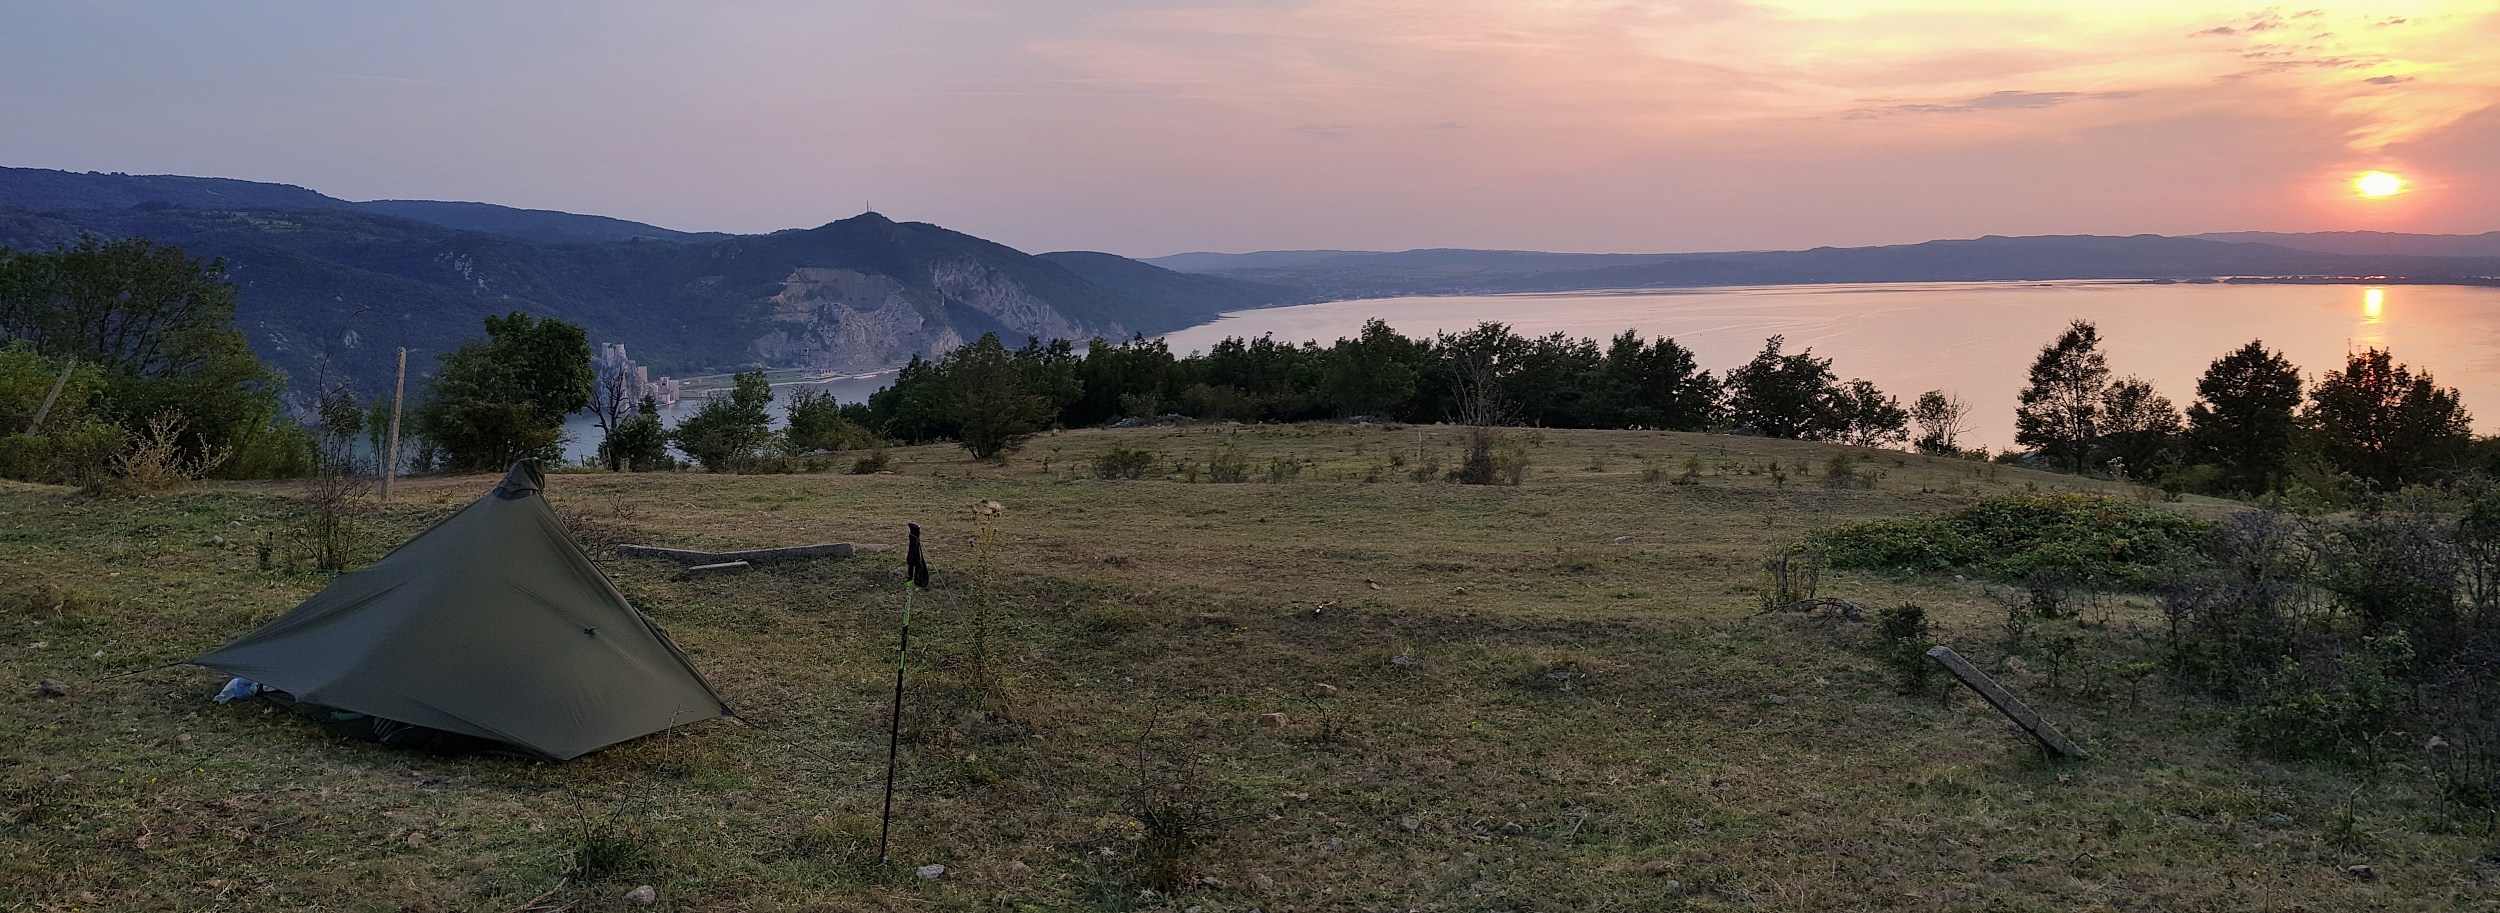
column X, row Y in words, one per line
column 984, row 679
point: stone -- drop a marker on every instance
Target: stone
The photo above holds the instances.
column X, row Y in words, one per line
column 50, row 688
column 1409, row 825
column 1274, row 720
column 1404, row 659
column 1674, row 885
column 930, row 871
column 217, row 541
column 1512, row 829
column 1265, row 883
column 1324, row 689
column 642, row 896
column 2004, row 701
column 2363, row 872
column 2278, row 819
column 2435, row 744
column 1695, row 823
column 1776, row 699
column 1622, row 539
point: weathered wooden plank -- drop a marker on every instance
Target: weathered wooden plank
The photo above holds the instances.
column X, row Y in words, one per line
column 725, row 567
column 690, row 556
column 2004, row 701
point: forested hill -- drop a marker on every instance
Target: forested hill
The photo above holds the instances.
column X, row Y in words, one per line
column 325, row 281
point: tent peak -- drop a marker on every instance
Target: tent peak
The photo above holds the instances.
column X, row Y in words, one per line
column 524, row 479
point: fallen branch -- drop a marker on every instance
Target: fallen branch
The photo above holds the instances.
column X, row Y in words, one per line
column 1844, row 608
column 690, row 556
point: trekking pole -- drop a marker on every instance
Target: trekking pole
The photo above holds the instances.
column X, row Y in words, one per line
column 916, row 576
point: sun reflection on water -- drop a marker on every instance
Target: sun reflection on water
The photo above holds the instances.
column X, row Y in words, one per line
column 2373, row 330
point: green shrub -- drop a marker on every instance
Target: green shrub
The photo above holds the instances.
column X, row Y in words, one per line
column 1905, row 632
column 2085, row 536
column 1126, row 463
column 875, row 462
column 1229, row 464
column 2350, row 716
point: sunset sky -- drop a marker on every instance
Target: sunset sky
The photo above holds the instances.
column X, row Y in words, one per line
column 1152, row 128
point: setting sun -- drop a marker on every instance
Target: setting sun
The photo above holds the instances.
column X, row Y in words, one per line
column 2378, row 184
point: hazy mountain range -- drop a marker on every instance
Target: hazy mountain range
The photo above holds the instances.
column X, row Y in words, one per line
column 333, row 287
column 330, row 287
column 1361, row 274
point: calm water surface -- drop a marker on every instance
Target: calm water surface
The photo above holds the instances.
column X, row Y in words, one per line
column 1974, row 339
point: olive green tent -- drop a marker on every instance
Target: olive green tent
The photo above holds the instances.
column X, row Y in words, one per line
column 492, row 624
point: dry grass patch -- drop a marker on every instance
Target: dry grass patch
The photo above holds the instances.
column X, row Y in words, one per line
column 1555, row 696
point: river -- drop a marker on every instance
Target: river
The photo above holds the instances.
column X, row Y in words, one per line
column 1974, row 339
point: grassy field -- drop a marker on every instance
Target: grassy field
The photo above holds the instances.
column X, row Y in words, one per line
column 1557, row 696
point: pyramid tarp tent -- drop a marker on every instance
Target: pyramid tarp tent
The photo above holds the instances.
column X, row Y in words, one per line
column 492, row 624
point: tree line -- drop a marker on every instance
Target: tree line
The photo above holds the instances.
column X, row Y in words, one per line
column 2375, row 425
column 127, row 347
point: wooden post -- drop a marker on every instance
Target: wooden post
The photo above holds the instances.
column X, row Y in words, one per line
column 399, row 393
column 46, row 408
column 2004, row 701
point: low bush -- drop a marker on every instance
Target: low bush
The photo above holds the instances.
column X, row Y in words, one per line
column 2346, row 711
column 1126, row 463
column 2086, row 536
column 1905, row 636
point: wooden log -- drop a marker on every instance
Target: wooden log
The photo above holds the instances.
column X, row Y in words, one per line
column 2004, row 701
column 690, row 556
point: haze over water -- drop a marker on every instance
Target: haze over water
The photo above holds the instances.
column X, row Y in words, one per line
column 1975, row 339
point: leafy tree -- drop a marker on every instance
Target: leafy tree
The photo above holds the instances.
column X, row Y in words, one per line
column 638, row 443
column 1278, row 380
column 1868, row 418
column 1942, row 420
column 1130, row 378
column 729, row 433
column 2244, row 417
column 817, row 423
column 2382, row 423
column 160, row 326
column 2060, row 411
column 1787, row 396
column 988, row 401
column 1374, row 373
column 610, row 406
column 1481, row 366
column 2139, row 430
column 502, row 398
column 1556, row 380
column 1657, row 385
column 913, row 407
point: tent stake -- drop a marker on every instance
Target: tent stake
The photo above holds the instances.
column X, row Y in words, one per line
column 916, row 570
